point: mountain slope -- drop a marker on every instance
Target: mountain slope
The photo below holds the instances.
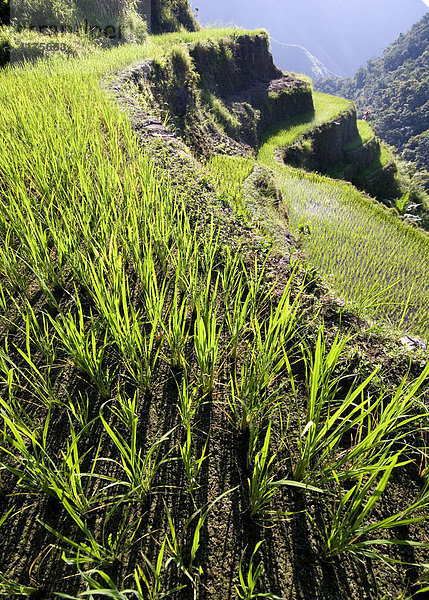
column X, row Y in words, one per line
column 395, row 87
column 343, row 35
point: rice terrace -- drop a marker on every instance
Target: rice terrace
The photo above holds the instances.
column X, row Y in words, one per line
column 214, row 315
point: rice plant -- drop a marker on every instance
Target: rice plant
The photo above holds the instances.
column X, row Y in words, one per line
column 138, row 467
column 350, row 519
column 207, row 337
column 83, row 345
column 246, row 590
column 192, row 462
column 177, row 545
column 176, row 328
column 263, row 485
column 30, row 460
column 376, row 425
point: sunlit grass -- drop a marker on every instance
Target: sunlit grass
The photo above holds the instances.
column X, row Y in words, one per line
column 326, row 108
column 86, row 216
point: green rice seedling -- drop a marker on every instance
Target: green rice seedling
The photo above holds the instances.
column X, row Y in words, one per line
column 176, row 545
column 263, row 485
column 184, row 256
column 237, row 314
column 39, row 333
column 250, row 401
column 151, row 578
column 154, row 295
column 29, row 379
column 254, row 392
column 192, row 463
column 175, row 329
column 348, row 517
column 77, row 486
column 255, row 283
column 12, row 588
column 3, row 299
column 209, row 251
column 139, row 349
column 90, row 550
column 207, row 337
column 351, row 518
column 98, row 584
column 79, row 408
column 231, row 273
column 15, row 405
column 29, row 460
column 246, row 590
column 35, row 243
column 11, row 264
column 139, row 468
column 147, row 581
column 37, row 471
column 189, row 401
column 375, row 423
column 322, row 387
column 84, row 347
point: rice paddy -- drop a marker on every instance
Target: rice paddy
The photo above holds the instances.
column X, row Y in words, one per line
column 171, row 419
column 371, row 258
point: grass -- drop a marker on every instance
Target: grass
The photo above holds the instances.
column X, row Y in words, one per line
column 147, row 367
column 326, row 108
column 366, row 133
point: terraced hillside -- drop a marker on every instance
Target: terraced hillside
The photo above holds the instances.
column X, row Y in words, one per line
column 186, row 411
column 353, row 240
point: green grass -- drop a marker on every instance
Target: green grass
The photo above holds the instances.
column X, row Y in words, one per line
column 140, row 308
column 229, row 174
column 326, row 108
column 366, row 133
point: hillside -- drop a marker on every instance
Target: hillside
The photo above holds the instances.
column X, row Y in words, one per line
column 342, row 36
column 214, row 381
column 395, row 87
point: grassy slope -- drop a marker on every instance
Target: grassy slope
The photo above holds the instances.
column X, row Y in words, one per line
column 127, row 324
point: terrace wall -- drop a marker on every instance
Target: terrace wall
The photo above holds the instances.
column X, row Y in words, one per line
column 239, row 72
column 324, row 146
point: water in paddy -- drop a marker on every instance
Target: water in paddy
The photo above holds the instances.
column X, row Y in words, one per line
column 364, row 252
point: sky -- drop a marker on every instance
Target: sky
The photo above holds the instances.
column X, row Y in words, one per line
column 342, row 34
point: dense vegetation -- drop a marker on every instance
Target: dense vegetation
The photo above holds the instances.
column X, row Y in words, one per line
column 395, row 87
column 184, row 411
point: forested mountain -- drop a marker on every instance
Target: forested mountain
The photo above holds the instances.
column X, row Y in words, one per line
column 395, row 87
column 341, row 35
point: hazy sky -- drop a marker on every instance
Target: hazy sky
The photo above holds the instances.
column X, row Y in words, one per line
column 343, row 34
